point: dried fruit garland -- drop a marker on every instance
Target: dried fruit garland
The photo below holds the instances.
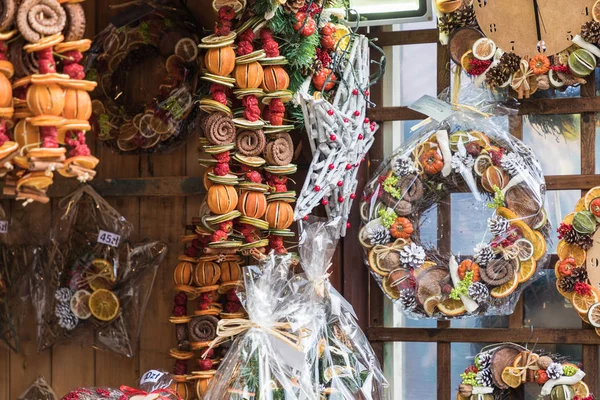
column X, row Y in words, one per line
column 146, row 73
column 51, row 109
column 498, row 369
column 426, row 283
column 578, row 257
column 499, row 68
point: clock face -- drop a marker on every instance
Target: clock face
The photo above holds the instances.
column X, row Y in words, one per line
column 513, row 26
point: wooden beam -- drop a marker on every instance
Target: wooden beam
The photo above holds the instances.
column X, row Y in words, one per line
column 401, row 38
column 572, row 182
column 527, row 107
column 468, row 335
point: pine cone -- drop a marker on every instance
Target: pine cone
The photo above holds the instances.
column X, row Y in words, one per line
column 590, row 32
column 483, row 360
column 567, row 284
column 63, row 295
column 498, row 226
column 579, row 274
column 408, row 301
column 512, row 164
column 479, row 292
column 464, row 16
column 510, row 62
column 412, row 255
column 403, row 166
column 484, row 377
column 496, row 76
column 554, row 370
column 581, row 240
column 379, row 235
column 483, row 254
column 293, row 6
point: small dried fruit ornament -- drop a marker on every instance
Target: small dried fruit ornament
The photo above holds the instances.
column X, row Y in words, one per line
column 499, row 369
column 51, row 101
column 91, row 281
column 146, row 72
column 154, row 384
column 579, row 255
column 465, row 165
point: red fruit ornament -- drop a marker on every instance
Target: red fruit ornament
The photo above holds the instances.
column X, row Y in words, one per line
column 324, row 75
column 205, row 365
column 541, row 377
column 305, row 25
column 327, row 42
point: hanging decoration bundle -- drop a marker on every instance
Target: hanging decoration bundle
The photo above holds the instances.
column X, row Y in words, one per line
column 49, row 102
column 501, row 368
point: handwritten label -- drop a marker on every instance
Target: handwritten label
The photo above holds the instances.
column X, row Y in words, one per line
column 432, row 107
column 151, row 376
column 109, row 238
column 593, row 261
column 3, row 226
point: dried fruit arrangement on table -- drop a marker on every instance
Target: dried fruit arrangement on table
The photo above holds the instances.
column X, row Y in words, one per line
column 501, row 368
column 556, row 44
column 578, row 258
column 46, row 110
column 492, row 193
column 91, row 283
column 146, row 72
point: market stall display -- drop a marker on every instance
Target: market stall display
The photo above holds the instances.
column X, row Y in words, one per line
column 554, row 47
column 146, row 70
column 578, row 255
column 499, row 369
column 91, row 279
column 465, row 162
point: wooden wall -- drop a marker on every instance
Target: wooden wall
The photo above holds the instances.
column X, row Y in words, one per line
column 159, row 218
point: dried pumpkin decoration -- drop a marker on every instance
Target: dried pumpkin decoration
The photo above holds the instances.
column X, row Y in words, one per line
column 467, row 266
column 432, row 162
column 402, row 228
column 540, row 64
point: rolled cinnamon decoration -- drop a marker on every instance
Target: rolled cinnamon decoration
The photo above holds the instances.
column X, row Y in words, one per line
column 498, row 272
column 219, row 128
column 280, row 151
column 75, row 25
column 37, row 18
column 250, row 142
column 203, row 328
column 8, row 10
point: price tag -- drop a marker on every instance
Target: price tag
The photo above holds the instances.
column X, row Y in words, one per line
column 432, row 107
column 151, row 376
column 3, row 226
column 111, row 239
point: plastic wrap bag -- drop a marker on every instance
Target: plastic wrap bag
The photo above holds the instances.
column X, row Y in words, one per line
column 92, row 279
column 342, row 361
column 454, row 222
column 146, row 65
column 267, row 360
column 38, row 390
column 154, row 384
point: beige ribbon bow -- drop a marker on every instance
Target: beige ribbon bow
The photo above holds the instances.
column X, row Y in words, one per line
column 382, row 251
column 521, row 83
column 530, row 364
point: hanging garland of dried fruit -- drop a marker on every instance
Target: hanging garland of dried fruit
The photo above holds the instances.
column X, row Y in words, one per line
column 579, row 256
column 499, row 369
column 51, row 101
column 526, row 47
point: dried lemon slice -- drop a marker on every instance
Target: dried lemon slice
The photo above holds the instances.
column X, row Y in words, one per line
column 104, row 305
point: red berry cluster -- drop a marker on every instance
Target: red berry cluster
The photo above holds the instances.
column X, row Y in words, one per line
column 327, row 38
column 232, row 302
column 218, row 93
column 563, row 229
column 222, row 167
column 478, row 67
column 275, row 111
column 496, row 156
column 223, row 232
column 270, row 45
column 251, row 108
column 71, row 64
column 224, row 24
column 245, row 43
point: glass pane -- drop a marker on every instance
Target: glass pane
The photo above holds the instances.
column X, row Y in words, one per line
column 469, row 223
column 481, row 322
column 546, row 308
column 556, row 140
column 559, row 203
column 411, row 370
column 394, row 318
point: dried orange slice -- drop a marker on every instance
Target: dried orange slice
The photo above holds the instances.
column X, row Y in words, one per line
column 526, row 270
column 104, row 305
column 540, row 247
column 451, row 307
column 505, row 290
column 525, row 249
column 80, row 304
column 596, row 16
column 187, row 49
column 35, row 180
column 582, row 303
column 235, row 4
column 101, row 275
column 114, row 62
column 580, row 206
column 572, row 250
column 594, row 315
column 512, row 377
column 581, row 388
column 465, row 60
column 127, row 131
column 426, row 265
column 161, row 127
column 506, row 213
column 126, row 145
column 430, row 305
column 145, row 127
column 568, row 219
column 533, row 358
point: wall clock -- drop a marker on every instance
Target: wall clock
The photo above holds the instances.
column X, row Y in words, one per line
column 525, row 44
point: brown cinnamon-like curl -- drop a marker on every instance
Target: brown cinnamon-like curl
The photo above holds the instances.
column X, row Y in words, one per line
column 498, row 272
column 37, row 18
column 8, row 9
column 203, row 328
column 75, row 26
column 411, row 188
column 281, row 150
column 250, row 143
column 219, row 128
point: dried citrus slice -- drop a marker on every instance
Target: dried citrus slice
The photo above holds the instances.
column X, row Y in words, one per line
column 175, row 65
column 539, row 246
column 581, row 388
column 430, row 305
column 35, row 180
column 594, row 315
column 161, row 127
column 465, row 60
column 127, row 131
column 341, row 36
column 235, row 4
column 572, row 250
column 568, row 219
column 482, row 163
column 505, row 290
column 482, row 139
column 596, row 16
column 126, row 145
column 512, row 377
column 98, row 108
column 114, row 62
column 532, row 358
column 145, row 126
column 187, row 49
column 451, row 307
column 580, row 206
column 591, row 195
column 426, row 265
column 80, row 304
column 104, row 305
column 525, row 249
column 506, row 213
column 582, row 303
column 526, row 270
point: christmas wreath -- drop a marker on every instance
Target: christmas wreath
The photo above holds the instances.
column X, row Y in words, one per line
column 146, row 73
column 579, row 257
column 500, row 368
column 462, row 155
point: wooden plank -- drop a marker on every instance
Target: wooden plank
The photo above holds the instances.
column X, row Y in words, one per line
column 572, row 182
column 401, row 38
column 488, row 335
column 443, row 365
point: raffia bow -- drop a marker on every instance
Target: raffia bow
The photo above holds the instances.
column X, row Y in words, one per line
column 509, row 253
column 530, row 365
column 319, row 283
column 521, row 83
column 382, row 251
column 137, row 394
column 229, row 328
